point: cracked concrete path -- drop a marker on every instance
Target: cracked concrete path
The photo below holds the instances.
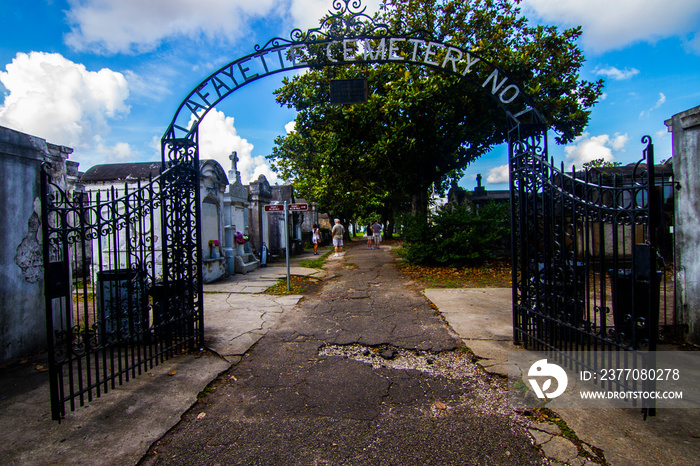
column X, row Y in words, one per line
column 237, row 315
column 235, row 322
column 350, row 376
column 483, row 319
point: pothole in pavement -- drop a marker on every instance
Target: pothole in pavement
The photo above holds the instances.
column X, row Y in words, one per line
column 450, row 364
column 488, row 394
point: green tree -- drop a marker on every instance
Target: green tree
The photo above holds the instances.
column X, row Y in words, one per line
column 457, row 236
column 323, row 169
column 601, row 163
column 420, row 127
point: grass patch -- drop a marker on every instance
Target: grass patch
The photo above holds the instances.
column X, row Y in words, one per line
column 297, row 285
column 546, row 415
column 491, row 275
column 315, row 263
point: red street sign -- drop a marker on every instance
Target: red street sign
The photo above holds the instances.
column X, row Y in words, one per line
column 298, row 207
column 274, row 208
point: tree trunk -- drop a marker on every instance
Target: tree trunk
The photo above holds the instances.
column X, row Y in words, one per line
column 419, row 202
column 389, row 231
column 346, row 226
column 390, row 223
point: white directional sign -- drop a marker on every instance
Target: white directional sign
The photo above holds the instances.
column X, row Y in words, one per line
column 298, row 207
column 290, row 207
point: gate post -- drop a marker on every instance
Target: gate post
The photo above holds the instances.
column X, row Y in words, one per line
column 181, row 234
column 651, row 265
column 54, row 288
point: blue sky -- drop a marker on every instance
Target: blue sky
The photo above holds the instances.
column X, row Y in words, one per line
column 106, row 76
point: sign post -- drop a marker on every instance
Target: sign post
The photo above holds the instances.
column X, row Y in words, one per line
column 287, row 208
column 286, row 241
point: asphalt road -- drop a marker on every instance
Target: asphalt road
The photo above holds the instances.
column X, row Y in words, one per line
column 361, row 372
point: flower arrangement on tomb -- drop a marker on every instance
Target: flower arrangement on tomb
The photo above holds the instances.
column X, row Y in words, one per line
column 240, row 238
column 213, row 248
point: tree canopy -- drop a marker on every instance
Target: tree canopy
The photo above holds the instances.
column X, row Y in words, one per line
column 420, row 127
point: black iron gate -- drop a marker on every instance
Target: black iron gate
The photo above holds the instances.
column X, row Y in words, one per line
column 123, row 277
column 593, row 253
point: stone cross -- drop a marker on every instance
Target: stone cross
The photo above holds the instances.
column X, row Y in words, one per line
column 478, row 180
column 234, row 166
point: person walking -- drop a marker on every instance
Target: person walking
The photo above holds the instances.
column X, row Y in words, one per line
column 369, row 233
column 315, row 237
column 377, row 233
column 337, row 232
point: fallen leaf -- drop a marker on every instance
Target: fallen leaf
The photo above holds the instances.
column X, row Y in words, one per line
column 313, row 359
column 233, row 377
column 172, row 372
column 41, row 368
column 440, row 405
column 201, row 415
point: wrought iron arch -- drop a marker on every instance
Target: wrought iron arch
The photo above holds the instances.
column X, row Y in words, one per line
column 346, row 36
column 349, row 36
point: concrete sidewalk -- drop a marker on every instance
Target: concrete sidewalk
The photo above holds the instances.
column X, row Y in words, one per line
column 483, row 319
column 237, row 315
column 120, row 426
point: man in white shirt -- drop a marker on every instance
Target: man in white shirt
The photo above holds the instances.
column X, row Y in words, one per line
column 338, row 231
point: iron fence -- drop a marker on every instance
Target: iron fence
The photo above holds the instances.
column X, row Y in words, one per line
column 123, row 280
column 593, row 255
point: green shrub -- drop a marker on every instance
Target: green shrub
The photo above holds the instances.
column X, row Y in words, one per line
column 459, row 236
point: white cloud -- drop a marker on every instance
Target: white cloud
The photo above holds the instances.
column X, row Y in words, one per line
column 693, row 44
column 53, row 98
column 291, row 126
column 498, row 174
column 610, row 25
column 662, row 133
column 100, row 153
column 137, row 26
column 155, row 86
column 218, row 138
column 619, row 141
column 658, row 104
column 305, row 14
column 616, row 73
column 586, row 148
column 120, row 152
column 114, row 26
